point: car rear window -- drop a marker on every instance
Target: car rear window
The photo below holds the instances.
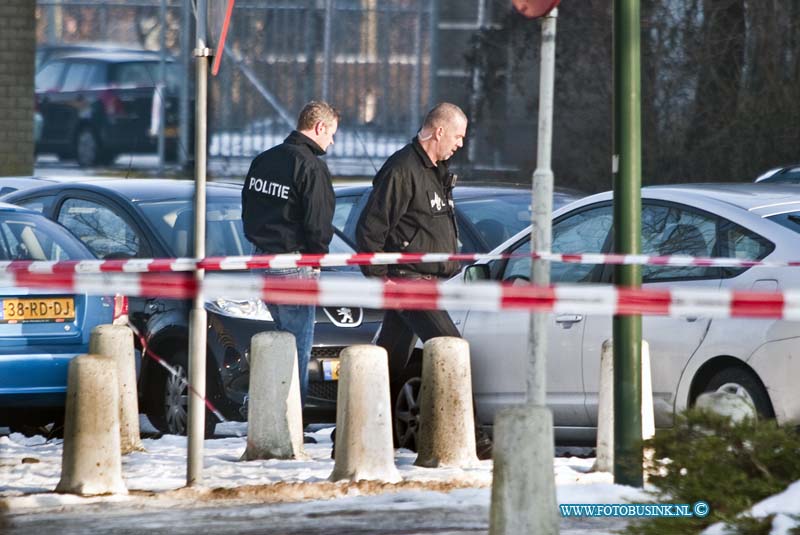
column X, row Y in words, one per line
column 790, row 220
column 30, row 237
column 143, row 74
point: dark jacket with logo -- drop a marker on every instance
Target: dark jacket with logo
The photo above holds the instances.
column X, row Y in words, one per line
column 288, row 199
column 410, row 210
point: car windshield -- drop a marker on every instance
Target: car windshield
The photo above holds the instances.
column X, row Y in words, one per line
column 499, row 217
column 174, row 220
column 33, row 237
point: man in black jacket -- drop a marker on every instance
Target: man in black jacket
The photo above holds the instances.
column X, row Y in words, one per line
column 287, row 207
column 411, row 210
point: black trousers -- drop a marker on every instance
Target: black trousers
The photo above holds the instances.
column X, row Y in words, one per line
column 402, row 327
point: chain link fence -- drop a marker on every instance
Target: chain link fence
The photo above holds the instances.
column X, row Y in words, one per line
column 372, row 59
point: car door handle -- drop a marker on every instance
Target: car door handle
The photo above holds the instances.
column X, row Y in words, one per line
column 569, row 318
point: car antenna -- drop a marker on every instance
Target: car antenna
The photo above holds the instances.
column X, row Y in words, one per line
column 366, row 150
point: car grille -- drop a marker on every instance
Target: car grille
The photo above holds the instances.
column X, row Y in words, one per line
column 327, row 390
column 331, row 352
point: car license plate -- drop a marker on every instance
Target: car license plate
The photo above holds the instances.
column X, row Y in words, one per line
column 330, row 369
column 29, row 310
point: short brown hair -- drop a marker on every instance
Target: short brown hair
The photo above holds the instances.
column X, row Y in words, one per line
column 442, row 114
column 314, row 112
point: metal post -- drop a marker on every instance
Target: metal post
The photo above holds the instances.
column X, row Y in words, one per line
column 476, row 87
column 433, row 66
column 162, row 83
column 186, row 51
column 542, row 203
column 327, row 55
column 627, row 172
column 197, row 317
column 416, row 81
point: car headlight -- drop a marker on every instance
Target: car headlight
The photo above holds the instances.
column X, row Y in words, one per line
column 251, row 309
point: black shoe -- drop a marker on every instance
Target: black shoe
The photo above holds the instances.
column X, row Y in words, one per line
column 333, row 443
column 308, row 439
column 483, row 446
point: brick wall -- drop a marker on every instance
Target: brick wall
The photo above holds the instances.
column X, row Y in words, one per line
column 17, row 49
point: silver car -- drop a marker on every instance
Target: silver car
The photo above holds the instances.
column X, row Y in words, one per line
column 755, row 358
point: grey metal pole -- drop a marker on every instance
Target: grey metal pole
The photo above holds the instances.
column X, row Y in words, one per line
column 542, row 203
column 416, row 79
column 327, row 54
column 197, row 317
column 186, row 51
column 523, row 486
column 162, row 82
column 433, row 66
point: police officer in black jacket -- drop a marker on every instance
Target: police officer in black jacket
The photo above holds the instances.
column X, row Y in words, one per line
column 411, row 210
column 287, row 207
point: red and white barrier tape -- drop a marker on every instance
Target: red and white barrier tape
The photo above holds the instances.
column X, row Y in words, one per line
column 423, row 295
column 224, row 263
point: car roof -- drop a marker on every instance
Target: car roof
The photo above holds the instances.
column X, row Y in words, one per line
column 112, row 56
column 141, row 189
column 760, row 199
column 468, row 190
column 8, row 207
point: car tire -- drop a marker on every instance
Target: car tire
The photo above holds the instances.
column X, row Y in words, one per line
column 87, row 148
column 405, row 393
column 739, row 381
column 168, row 400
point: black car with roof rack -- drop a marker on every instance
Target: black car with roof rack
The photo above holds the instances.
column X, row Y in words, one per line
column 98, row 104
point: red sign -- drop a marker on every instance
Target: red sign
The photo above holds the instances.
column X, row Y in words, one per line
column 534, row 8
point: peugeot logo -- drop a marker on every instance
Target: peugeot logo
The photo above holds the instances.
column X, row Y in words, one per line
column 344, row 316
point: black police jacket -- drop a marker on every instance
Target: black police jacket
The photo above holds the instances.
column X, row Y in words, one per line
column 288, row 199
column 410, row 210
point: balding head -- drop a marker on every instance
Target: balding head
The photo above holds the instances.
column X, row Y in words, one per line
column 443, row 131
column 443, row 114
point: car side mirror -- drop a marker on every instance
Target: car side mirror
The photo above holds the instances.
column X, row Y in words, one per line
column 477, row 272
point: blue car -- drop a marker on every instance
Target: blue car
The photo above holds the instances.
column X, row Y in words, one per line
column 40, row 330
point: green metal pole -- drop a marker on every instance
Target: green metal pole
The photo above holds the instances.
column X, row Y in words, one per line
column 627, row 172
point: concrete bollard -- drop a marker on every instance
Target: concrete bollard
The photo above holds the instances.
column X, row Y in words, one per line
column 447, row 421
column 274, row 410
column 604, row 462
column 364, row 447
column 523, row 484
column 736, row 407
column 91, row 461
column 116, row 341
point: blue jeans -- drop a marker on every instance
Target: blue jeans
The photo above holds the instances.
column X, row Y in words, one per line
column 295, row 319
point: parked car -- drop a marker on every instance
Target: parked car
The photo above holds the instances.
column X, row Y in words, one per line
column 40, row 330
column 486, row 215
column 789, row 174
column 46, row 52
column 146, row 218
column 96, row 105
column 754, row 358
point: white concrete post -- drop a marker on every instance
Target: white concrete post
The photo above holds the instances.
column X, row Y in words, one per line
column 91, row 461
column 447, row 420
column 364, row 447
column 604, row 461
column 116, row 341
column 274, row 411
column 522, row 472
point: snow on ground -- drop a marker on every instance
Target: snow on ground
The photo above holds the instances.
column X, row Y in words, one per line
column 30, row 469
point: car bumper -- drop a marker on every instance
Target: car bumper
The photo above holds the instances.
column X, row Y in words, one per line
column 38, row 379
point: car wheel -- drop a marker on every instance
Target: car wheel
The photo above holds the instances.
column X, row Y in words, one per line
column 87, row 148
column 743, row 383
column 168, row 400
column 406, row 408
